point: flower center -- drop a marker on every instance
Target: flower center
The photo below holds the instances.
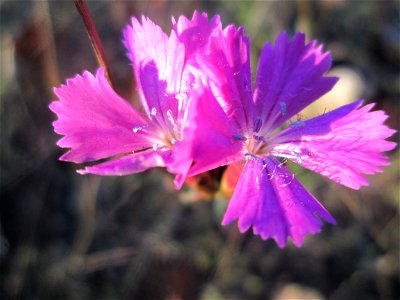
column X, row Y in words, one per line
column 254, row 144
column 257, row 145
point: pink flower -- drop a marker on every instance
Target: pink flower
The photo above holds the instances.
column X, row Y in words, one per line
column 96, row 123
column 232, row 122
column 201, row 112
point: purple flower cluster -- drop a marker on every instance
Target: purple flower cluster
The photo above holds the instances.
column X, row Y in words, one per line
column 202, row 111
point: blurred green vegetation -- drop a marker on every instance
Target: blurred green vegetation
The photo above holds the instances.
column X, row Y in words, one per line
column 67, row 236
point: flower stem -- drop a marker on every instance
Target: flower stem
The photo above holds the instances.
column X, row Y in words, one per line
column 94, row 39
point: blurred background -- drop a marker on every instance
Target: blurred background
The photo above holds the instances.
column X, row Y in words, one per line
column 67, row 236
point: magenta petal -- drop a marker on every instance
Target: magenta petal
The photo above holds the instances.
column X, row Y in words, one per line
column 195, row 33
column 270, row 199
column 227, row 66
column 95, row 121
column 209, row 139
column 158, row 64
column 290, row 77
column 342, row 145
column 129, row 164
column 180, row 167
column 181, row 161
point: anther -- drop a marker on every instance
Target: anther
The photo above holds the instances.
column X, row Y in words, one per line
column 257, row 125
column 239, row 137
column 283, row 108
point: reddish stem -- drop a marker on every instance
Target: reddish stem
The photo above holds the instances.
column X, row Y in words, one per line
column 94, row 39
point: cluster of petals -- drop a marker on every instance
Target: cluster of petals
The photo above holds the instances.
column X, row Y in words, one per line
column 202, row 111
column 98, row 124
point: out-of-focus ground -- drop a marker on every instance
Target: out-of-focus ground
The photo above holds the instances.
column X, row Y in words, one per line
column 67, row 236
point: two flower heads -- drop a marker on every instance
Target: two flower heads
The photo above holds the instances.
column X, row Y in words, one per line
column 201, row 110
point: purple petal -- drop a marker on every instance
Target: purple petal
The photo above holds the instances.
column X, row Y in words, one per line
column 342, row 145
column 195, row 33
column 208, row 137
column 270, row 199
column 95, row 121
column 129, row 164
column 158, row 64
column 227, row 66
column 290, row 77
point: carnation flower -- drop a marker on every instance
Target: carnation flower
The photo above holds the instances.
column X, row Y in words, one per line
column 233, row 122
column 201, row 112
column 97, row 123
